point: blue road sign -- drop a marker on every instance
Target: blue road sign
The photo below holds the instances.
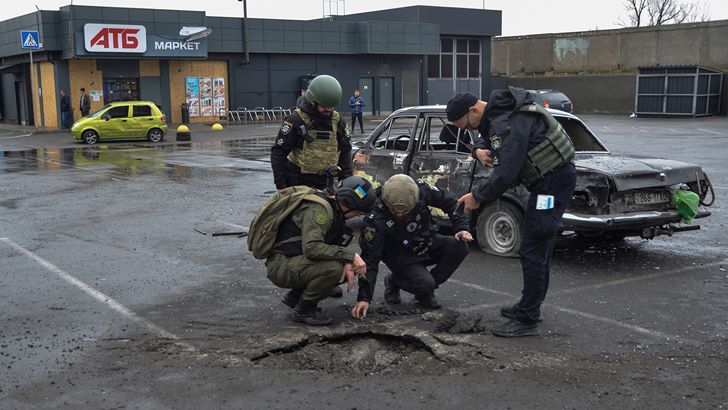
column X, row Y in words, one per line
column 29, row 39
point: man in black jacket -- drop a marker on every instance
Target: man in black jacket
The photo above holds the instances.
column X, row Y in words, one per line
column 400, row 231
column 66, row 118
column 524, row 144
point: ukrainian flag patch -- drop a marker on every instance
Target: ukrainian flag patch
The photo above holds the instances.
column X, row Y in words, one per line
column 360, row 192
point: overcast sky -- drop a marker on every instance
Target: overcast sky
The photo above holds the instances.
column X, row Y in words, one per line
column 519, row 17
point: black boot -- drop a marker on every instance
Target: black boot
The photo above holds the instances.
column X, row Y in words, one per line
column 307, row 312
column 336, row 292
column 428, row 301
column 510, row 312
column 514, row 328
column 292, row 297
column 391, row 291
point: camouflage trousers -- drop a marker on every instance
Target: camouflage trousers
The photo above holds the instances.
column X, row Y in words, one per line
column 315, row 278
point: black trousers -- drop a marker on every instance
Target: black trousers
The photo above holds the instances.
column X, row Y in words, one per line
column 539, row 236
column 354, row 116
column 410, row 271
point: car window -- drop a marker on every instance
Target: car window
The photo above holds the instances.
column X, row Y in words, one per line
column 99, row 110
column 396, row 133
column 439, row 135
column 121, row 111
column 580, row 135
column 142, row 111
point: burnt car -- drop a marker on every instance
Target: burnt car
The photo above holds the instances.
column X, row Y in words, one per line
column 616, row 196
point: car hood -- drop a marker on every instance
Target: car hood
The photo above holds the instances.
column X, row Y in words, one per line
column 632, row 172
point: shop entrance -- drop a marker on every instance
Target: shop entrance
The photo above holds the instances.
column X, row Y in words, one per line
column 121, row 89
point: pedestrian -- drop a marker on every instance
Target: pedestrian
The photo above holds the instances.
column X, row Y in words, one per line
column 85, row 103
column 300, row 100
column 356, row 103
column 309, row 255
column 400, row 232
column 66, row 110
column 313, row 140
column 524, row 144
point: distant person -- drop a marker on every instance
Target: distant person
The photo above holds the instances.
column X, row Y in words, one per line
column 301, row 99
column 66, row 110
column 85, row 103
column 356, row 103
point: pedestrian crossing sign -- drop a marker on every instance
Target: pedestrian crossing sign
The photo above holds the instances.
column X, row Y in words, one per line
column 29, row 39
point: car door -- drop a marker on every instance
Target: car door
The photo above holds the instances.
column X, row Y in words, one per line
column 141, row 121
column 114, row 122
column 387, row 151
column 442, row 158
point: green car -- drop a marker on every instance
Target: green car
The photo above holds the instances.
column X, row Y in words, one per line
column 122, row 120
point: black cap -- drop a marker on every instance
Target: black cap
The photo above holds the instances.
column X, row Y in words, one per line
column 459, row 105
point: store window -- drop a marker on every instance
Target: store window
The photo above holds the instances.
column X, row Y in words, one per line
column 121, row 89
column 458, row 56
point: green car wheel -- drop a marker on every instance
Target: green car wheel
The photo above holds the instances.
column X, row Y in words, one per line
column 90, row 137
column 155, row 135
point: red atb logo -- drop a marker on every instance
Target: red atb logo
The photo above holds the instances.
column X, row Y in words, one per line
column 114, row 38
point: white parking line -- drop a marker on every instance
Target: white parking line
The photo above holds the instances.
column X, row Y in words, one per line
column 15, row 136
column 101, row 297
column 711, row 131
column 481, row 288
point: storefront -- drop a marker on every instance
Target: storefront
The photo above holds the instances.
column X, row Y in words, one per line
column 175, row 57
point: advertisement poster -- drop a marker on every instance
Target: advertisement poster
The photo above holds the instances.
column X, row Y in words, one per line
column 192, row 95
column 205, row 97
column 218, row 88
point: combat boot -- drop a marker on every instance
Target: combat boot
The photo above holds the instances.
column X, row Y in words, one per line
column 515, row 328
column 428, row 301
column 391, row 291
column 307, row 312
column 292, row 297
column 510, row 312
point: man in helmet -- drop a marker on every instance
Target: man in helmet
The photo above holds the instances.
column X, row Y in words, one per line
column 400, row 231
column 312, row 139
column 311, row 257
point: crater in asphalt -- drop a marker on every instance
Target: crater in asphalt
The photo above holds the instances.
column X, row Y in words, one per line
column 359, row 353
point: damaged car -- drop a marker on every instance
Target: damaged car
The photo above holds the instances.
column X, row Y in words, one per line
column 616, row 196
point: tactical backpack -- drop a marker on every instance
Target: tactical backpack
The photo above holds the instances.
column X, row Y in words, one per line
column 264, row 228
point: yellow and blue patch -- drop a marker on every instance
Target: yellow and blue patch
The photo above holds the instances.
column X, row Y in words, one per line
column 360, row 192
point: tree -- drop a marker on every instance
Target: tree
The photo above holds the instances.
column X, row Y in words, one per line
column 659, row 12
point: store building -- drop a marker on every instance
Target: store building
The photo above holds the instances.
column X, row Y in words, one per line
column 397, row 57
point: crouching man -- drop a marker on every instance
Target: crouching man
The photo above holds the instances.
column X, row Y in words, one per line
column 400, row 231
column 302, row 234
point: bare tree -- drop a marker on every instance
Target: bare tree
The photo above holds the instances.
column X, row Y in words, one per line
column 659, row 12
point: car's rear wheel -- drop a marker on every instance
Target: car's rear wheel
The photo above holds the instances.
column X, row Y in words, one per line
column 90, row 137
column 155, row 135
column 499, row 229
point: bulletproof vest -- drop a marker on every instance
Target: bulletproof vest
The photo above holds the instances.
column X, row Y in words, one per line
column 555, row 150
column 414, row 234
column 320, row 151
column 288, row 241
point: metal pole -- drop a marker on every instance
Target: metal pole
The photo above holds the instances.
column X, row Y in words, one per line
column 245, row 32
column 33, row 90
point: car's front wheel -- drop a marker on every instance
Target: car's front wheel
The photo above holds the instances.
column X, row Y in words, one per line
column 499, row 229
column 90, row 137
column 155, row 135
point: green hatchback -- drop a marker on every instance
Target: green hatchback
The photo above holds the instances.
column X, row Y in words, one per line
column 122, row 120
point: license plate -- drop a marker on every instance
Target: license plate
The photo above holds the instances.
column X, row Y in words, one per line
column 651, row 197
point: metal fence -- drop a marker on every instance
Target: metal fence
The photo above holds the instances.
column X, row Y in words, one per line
column 678, row 90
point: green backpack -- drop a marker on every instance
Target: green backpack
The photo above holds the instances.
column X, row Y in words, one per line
column 264, row 228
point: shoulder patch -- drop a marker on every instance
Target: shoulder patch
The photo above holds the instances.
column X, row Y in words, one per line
column 286, row 128
column 321, row 218
column 495, row 141
column 369, row 233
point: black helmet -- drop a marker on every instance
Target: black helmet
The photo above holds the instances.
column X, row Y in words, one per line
column 356, row 193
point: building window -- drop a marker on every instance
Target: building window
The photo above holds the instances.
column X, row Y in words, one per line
column 458, row 56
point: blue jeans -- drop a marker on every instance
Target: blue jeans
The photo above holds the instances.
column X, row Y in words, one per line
column 66, row 119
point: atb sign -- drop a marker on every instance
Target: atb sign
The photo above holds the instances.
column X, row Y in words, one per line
column 114, row 38
column 29, row 40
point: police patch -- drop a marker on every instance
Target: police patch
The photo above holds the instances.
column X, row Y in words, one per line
column 320, row 218
column 369, row 232
column 495, row 141
column 286, row 128
column 390, row 223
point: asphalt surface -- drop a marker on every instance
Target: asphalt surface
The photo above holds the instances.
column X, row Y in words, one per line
column 110, row 298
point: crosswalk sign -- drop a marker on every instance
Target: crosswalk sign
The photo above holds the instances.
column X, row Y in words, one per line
column 29, row 39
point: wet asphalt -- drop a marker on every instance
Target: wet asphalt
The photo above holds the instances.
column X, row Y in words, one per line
column 110, row 297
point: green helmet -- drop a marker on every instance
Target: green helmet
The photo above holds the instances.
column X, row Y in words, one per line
column 324, row 90
column 400, row 193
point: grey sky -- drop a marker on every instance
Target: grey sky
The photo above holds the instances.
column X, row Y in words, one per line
column 519, row 17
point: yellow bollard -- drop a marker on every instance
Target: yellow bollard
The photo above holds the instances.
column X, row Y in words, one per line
column 216, row 127
column 183, row 133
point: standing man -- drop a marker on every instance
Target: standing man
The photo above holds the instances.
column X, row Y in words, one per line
column 310, row 256
column 400, row 231
column 356, row 103
column 66, row 116
column 85, row 103
column 300, row 100
column 312, row 140
column 524, row 144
